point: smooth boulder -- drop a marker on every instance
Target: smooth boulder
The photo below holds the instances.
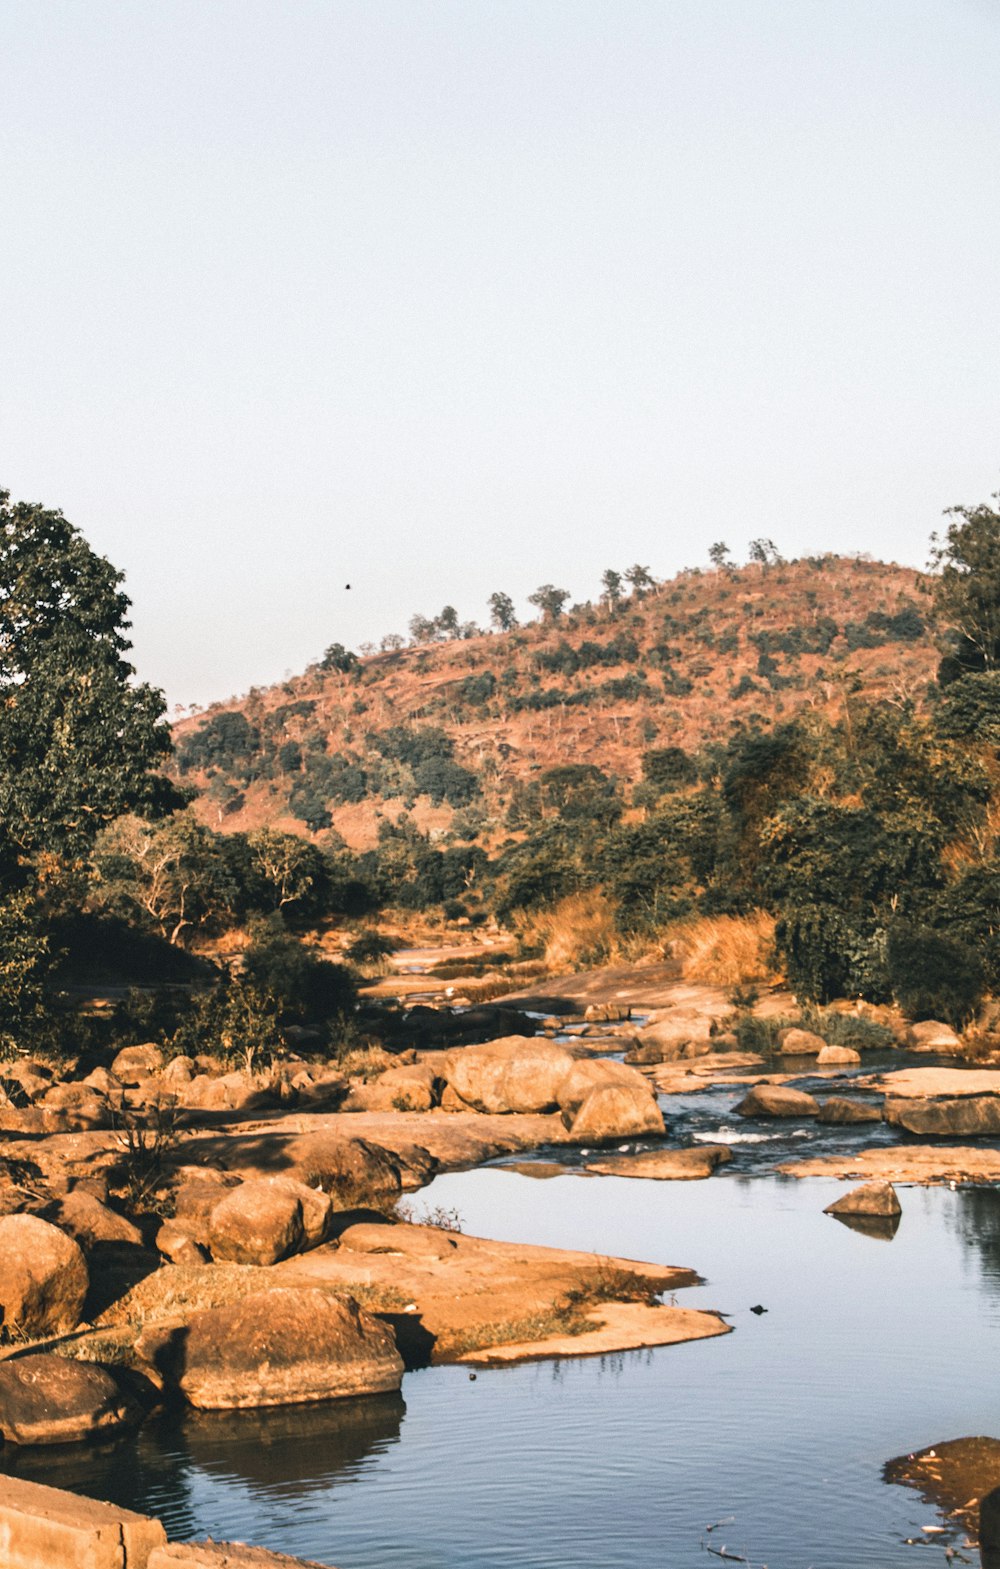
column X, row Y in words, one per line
column 517, row 1073
column 267, row 1219
column 48, row 1399
column 43, row 1277
column 871, row 1198
column 616, row 1111
column 795, row 1042
column 838, row 1055
column 287, row 1346
column 777, row 1100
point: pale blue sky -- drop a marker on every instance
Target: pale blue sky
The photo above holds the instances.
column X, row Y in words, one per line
column 436, row 297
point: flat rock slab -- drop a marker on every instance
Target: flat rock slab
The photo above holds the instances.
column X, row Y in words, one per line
column 685, row 1165
column 701, row 1073
column 224, row 1555
column 954, row 1476
column 45, row 1528
column 618, row 1326
column 905, row 1163
column 938, row 1083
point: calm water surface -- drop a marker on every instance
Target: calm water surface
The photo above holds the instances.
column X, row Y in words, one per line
column 868, row 1349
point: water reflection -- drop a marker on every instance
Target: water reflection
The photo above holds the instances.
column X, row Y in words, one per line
column 274, row 1454
column 882, row 1227
column 977, row 1221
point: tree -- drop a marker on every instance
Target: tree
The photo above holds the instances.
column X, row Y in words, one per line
column 502, row 612
column 78, row 740
column 447, row 624
column 549, row 600
column 174, row 872
column 967, row 592
column 422, row 630
column 339, row 658
column 718, row 555
column 611, row 583
column 640, row 578
column 764, row 552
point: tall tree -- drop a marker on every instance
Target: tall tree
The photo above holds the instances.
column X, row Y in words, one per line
column 967, row 591
column 502, row 612
column 549, row 600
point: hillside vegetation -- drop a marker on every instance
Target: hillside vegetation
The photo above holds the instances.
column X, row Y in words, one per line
column 460, row 736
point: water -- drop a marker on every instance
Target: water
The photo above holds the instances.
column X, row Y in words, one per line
column 868, row 1349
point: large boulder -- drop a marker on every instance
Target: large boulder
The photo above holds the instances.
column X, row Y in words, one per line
column 408, row 1088
column 354, row 1171
column 267, row 1219
column 969, row 1116
column 838, row 1056
column 842, row 1111
column 517, row 1073
column 84, row 1109
column 930, row 1035
column 872, row 1198
column 795, row 1042
column 43, row 1277
column 235, row 1091
column 615, row 1111
column 281, row 1347
column 591, row 1073
column 48, row 1399
column 135, row 1064
column 777, row 1100
column 82, row 1215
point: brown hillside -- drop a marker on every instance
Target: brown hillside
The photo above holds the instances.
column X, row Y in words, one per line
column 683, row 665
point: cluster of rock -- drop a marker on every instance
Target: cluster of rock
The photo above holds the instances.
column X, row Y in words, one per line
column 597, row 1099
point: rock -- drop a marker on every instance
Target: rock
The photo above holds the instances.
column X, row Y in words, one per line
column 838, row 1054
column 872, row 1198
column 451, row 1100
column 48, row 1399
column 398, row 1089
column 228, row 1092
column 967, row 1115
column 178, row 1245
column 799, row 1043
column 178, row 1072
column 281, row 1347
column 597, row 1073
column 613, row 1111
column 839, row 1109
column 136, row 1064
column 259, row 1222
column 45, row 1528
column 514, row 1074
column 777, row 1100
column 607, row 1013
column 90, row 1222
column 320, row 1089
column 223, row 1555
column 34, row 1077
column 930, row 1035
column 86, row 1109
column 687, row 1165
column 196, row 1193
column 43, row 1277
column 647, row 1054
column 353, row 1171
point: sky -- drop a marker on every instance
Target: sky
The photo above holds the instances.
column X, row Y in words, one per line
column 442, row 297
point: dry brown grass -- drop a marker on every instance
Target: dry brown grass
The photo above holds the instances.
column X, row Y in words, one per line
column 733, row 951
column 579, row 930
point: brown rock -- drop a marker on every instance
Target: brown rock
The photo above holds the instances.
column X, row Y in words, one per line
column 777, row 1100
column 227, row 1092
column 597, row 1073
column 838, row 1054
column 85, row 1107
column 799, row 1043
column 135, row 1064
column 930, row 1035
column 223, row 1555
column 517, row 1073
column 82, row 1215
column 259, row 1222
column 607, row 1012
column 43, row 1277
column 178, row 1245
column 281, row 1347
column 872, row 1198
column 42, row 1528
column 614, row 1111
column 840, row 1110
column 353, row 1171
column 967, row 1115
column 178, row 1072
column 48, row 1399
column 687, row 1165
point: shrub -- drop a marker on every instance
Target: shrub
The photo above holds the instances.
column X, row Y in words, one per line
column 934, row 976
column 579, row 930
column 733, row 951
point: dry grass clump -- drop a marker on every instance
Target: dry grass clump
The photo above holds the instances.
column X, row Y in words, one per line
column 736, row 952
column 579, row 930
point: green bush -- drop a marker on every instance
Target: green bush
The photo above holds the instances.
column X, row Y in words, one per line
column 934, row 976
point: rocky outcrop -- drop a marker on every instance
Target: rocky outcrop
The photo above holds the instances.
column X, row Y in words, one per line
column 777, row 1100
column 967, row 1115
column 223, row 1555
column 48, row 1399
column 43, row 1277
column 514, row 1074
column 82, row 1216
column 839, row 1109
column 286, row 1346
column 872, row 1198
column 268, row 1219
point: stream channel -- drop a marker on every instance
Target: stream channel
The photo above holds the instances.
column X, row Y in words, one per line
column 775, row 1435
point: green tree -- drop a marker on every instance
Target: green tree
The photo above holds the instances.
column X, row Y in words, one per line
column 502, row 612
column 549, row 600
column 78, row 740
column 967, row 591
column 718, row 555
column 611, row 584
column 640, row 578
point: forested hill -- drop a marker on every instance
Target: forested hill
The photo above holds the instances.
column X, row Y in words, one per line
column 471, row 734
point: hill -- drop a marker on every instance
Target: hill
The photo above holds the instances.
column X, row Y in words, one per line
column 462, row 734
